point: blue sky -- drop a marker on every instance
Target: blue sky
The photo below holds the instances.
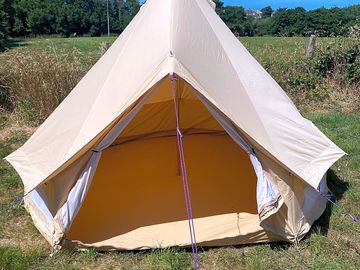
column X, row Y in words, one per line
column 307, row 4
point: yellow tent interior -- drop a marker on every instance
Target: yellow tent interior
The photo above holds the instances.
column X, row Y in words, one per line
column 137, row 194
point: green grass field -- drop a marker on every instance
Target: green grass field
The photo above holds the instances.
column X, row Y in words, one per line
column 83, row 44
column 333, row 242
column 295, row 45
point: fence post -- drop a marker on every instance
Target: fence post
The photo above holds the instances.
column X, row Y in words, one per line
column 311, row 47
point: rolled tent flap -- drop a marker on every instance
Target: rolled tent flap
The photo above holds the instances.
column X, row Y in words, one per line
column 268, row 197
column 68, row 211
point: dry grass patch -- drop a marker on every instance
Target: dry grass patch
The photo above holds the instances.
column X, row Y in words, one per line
column 33, row 83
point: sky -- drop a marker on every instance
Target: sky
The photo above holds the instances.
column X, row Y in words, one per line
column 307, row 4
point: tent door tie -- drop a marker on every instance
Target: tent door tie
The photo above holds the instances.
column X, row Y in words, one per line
column 179, row 136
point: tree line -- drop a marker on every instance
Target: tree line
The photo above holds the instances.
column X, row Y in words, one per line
column 290, row 22
column 299, row 22
column 89, row 17
column 64, row 17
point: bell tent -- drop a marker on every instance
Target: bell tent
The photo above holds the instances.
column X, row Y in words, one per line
column 107, row 168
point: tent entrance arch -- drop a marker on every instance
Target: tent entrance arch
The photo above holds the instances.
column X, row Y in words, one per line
column 136, row 195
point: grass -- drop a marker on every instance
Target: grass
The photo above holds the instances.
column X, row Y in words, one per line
column 86, row 45
column 33, row 81
column 333, row 242
column 90, row 45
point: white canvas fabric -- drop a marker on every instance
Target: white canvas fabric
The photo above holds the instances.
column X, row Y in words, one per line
column 312, row 197
column 77, row 194
column 41, row 204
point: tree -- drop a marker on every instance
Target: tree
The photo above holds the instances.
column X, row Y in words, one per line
column 327, row 22
column 262, row 26
column 266, row 12
column 288, row 22
column 20, row 25
column 74, row 17
column 98, row 22
column 279, row 22
column 4, row 22
column 130, row 8
column 84, row 17
column 219, row 5
column 297, row 22
column 236, row 19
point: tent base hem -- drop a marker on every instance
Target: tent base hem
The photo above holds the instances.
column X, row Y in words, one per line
column 219, row 230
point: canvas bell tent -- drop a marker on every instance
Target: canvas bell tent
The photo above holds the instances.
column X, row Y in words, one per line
column 176, row 94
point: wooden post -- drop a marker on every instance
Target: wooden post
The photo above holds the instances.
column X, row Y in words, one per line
column 311, row 47
column 104, row 47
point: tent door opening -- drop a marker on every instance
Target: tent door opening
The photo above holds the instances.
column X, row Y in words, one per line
column 136, row 197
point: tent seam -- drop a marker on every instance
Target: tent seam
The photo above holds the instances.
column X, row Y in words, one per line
column 237, row 76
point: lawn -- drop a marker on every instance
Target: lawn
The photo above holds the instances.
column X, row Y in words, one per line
column 256, row 45
column 86, row 45
column 333, row 242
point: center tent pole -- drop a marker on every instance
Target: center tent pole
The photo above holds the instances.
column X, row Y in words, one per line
column 179, row 136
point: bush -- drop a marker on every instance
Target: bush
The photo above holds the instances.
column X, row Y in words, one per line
column 33, row 83
column 318, row 93
column 302, row 82
column 331, row 77
column 324, row 63
column 353, row 69
column 344, row 60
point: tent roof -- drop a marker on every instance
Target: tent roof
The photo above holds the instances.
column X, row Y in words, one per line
column 188, row 38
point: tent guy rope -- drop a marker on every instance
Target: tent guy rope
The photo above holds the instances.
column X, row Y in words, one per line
column 330, row 197
column 185, row 178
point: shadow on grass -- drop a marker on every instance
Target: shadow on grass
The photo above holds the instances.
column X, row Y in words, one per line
column 11, row 43
column 338, row 187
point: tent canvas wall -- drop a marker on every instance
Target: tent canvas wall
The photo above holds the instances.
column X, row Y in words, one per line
column 103, row 169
